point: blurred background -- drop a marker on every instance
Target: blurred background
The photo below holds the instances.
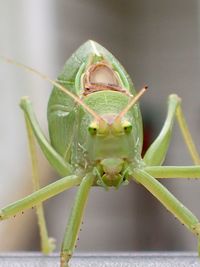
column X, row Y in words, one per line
column 158, row 44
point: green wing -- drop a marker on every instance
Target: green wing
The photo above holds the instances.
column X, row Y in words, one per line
column 62, row 110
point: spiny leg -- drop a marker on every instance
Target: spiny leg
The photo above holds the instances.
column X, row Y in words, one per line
column 75, row 219
column 156, row 153
column 47, row 244
column 39, row 196
column 175, row 171
column 184, row 215
column 56, row 161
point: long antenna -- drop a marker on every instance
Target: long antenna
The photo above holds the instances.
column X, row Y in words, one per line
column 59, row 86
column 131, row 103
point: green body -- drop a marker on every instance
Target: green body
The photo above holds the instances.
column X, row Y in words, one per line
column 98, row 141
column 73, row 141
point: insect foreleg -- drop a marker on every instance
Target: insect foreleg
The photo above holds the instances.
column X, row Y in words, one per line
column 184, row 215
column 39, row 196
column 56, row 161
column 75, row 220
column 156, row 153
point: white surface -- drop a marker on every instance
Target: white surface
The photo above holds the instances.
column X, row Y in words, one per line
column 176, row 259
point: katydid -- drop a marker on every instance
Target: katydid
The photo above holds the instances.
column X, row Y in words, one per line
column 95, row 130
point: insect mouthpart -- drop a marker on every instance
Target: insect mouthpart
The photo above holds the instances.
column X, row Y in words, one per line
column 112, row 172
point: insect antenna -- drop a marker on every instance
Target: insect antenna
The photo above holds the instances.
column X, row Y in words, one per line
column 131, row 103
column 59, row 86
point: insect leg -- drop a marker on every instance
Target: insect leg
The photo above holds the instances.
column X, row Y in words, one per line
column 47, row 244
column 56, row 161
column 156, row 153
column 184, row 215
column 173, row 171
column 187, row 136
column 39, row 196
column 75, row 219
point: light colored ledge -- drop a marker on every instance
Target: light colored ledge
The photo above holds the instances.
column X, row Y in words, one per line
column 160, row 259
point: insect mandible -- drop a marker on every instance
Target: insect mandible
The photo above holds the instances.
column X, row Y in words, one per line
column 95, row 130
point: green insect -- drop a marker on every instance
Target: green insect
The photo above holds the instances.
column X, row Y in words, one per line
column 95, row 130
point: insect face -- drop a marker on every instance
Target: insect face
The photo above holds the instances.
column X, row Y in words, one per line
column 107, row 139
column 110, row 148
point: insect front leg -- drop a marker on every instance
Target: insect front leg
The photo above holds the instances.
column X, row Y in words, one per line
column 184, row 215
column 55, row 160
column 156, row 153
column 75, row 220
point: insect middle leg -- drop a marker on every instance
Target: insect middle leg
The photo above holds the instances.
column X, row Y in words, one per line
column 36, row 198
column 156, row 153
column 173, row 171
column 184, row 215
column 39, row 196
column 75, row 220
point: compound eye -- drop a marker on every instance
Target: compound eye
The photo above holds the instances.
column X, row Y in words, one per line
column 92, row 128
column 127, row 127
